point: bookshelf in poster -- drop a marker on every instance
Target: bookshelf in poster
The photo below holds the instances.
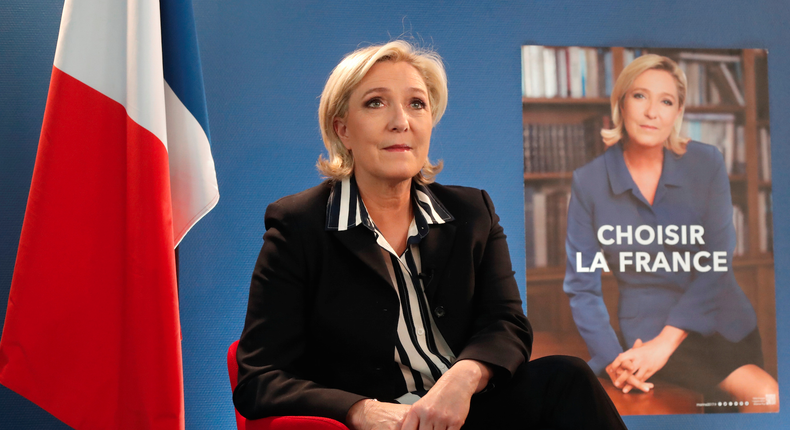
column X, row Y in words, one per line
column 569, row 72
column 567, row 76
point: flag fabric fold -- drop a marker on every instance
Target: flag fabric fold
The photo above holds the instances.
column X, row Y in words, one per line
column 123, row 171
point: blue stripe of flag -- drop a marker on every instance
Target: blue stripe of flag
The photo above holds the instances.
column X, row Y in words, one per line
column 181, row 58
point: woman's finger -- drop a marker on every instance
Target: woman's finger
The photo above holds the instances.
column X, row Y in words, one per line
column 622, row 378
column 636, row 383
column 411, row 422
column 641, row 384
column 617, row 361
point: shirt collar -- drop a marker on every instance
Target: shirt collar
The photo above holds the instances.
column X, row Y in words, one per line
column 345, row 209
column 620, row 179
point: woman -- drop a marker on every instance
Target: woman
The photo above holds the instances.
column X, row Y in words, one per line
column 659, row 209
column 386, row 301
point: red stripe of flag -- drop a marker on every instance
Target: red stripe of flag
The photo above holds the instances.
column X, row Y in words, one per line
column 92, row 332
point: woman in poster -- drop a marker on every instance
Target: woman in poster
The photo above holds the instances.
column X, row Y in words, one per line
column 655, row 209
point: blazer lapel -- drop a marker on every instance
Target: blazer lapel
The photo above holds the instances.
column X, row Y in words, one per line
column 360, row 242
column 434, row 252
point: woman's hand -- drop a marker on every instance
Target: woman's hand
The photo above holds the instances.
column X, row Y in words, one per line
column 446, row 404
column 626, row 368
column 370, row 414
column 645, row 359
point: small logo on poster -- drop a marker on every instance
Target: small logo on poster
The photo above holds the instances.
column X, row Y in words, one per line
column 768, row 400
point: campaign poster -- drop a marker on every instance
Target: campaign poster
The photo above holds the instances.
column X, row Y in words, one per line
column 650, row 255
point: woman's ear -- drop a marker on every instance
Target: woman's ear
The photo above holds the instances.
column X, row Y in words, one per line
column 341, row 130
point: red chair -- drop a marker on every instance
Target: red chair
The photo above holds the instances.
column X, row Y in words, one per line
column 275, row 423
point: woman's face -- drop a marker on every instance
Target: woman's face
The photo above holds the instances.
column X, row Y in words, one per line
column 650, row 108
column 388, row 124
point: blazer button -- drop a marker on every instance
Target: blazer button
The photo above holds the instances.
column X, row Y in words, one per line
column 439, row 311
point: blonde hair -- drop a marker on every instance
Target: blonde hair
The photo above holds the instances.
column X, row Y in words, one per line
column 345, row 78
column 675, row 143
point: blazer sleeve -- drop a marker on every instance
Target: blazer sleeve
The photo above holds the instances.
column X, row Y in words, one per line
column 273, row 340
column 584, row 288
column 696, row 309
column 501, row 334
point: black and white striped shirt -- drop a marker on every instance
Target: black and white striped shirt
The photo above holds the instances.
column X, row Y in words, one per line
column 421, row 351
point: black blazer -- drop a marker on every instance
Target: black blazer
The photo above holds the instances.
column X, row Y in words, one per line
column 322, row 315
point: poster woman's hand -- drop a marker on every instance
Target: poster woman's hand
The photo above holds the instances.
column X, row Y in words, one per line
column 645, row 359
column 626, row 370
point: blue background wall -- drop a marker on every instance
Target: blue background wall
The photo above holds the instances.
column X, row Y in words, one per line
column 265, row 63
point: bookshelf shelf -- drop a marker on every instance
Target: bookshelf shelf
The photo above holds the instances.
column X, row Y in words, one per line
column 552, row 274
column 734, row 109
column 548, row 176
column 763, row 259
column 602, row 101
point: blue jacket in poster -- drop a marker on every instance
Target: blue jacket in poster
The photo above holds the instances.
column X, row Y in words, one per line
column 672, row 259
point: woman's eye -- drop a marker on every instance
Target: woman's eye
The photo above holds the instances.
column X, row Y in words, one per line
column 374, row 103
column 668, row 102
column 417, row 104
column 639, row 96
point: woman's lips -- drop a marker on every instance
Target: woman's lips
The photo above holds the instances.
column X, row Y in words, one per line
column 397, row 148
column 649, row 127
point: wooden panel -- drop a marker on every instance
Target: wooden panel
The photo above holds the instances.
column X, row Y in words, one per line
column 766, row 316
column 663, row 399
column 752, row 157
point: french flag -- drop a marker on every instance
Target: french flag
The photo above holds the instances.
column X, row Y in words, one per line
column 123, row 171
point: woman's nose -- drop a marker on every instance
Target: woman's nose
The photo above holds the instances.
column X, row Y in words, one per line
column 399, row 120
column 651, row 110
